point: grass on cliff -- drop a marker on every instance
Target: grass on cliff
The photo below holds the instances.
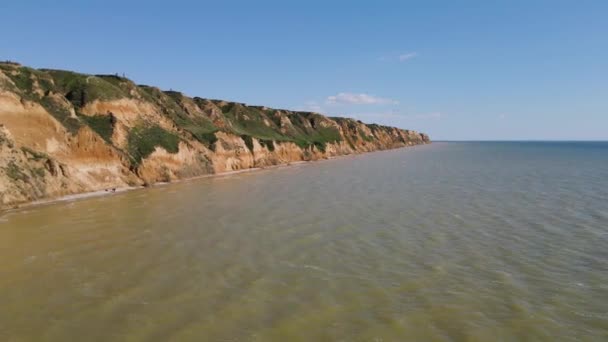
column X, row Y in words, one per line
column 81, row 89
column 101, row 124
column 142, row 141
column 264, row 143
column 37, row 86
column 254, row 122
column 251, row 122
column 4, row 139
column 313, row 133
column 366, row 137
column 323, row 136
column 27, row 80
column 61, row 113
column 171, row 102
column 34, row 155
column 15, row 173
column 201, row 128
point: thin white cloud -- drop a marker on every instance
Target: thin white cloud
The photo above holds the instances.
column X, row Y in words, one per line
column 407, row 56
column 358, row 99
column 429, row 116
column 397, row 115
column 313, row 106
column 404, row 57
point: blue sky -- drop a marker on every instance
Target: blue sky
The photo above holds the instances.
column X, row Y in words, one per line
column 458, row 70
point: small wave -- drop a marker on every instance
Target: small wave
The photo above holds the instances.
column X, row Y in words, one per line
column 328, row 272
column 30, row 259
column 591, row 315
column 316, row 268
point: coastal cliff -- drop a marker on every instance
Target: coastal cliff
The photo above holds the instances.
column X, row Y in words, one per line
column 65, row 133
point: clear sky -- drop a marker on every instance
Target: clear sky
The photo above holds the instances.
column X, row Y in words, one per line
column 461, row 70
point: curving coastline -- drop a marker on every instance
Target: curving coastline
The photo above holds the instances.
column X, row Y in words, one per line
column 64, row 133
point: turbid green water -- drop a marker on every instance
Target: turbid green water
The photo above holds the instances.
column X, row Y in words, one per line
column 445, row 242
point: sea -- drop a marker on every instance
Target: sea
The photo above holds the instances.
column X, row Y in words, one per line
column 452, row 241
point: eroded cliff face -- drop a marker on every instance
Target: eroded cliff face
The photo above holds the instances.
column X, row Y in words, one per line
column 63, row 133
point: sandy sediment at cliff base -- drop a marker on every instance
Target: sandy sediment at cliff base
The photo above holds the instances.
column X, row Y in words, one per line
column 115, row 191
column 79, row 196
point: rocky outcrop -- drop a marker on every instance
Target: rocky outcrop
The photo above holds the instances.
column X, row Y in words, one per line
column 64, row 133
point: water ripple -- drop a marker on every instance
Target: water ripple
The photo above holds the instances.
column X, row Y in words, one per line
column 452, row 241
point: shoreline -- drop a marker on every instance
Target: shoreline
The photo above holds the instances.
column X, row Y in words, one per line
column 107, row 192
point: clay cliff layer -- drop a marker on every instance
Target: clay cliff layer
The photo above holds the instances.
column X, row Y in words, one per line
column 63, row 133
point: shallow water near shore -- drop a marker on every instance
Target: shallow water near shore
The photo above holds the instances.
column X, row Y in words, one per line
column 443, row 242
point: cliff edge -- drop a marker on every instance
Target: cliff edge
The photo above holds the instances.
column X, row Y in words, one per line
column 64, row 133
